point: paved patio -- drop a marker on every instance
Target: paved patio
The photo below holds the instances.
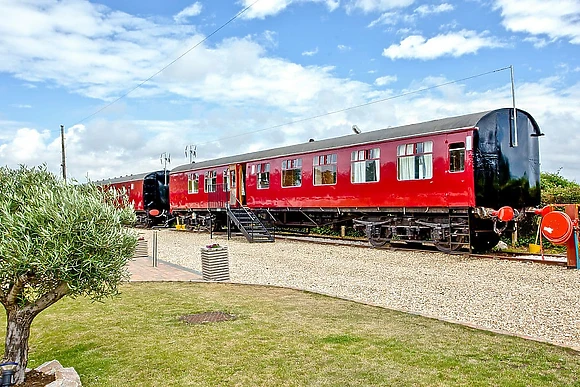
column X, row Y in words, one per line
column 142, row 269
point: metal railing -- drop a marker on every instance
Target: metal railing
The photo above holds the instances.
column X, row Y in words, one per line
column 256, row 225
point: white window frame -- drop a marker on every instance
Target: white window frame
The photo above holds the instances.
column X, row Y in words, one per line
column 415, row 161
column 263, row 176
column 293, row 166
column 210, row 181
column 192, row 183
column 462, row 152
column 360, row 161
column 322, row 164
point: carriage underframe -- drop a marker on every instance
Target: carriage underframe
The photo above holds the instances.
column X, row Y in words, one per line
column 448, row 229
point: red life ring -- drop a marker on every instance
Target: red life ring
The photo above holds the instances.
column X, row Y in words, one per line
column 557, row 227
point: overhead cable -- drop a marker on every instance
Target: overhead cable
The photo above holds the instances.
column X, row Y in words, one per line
column 169, row 64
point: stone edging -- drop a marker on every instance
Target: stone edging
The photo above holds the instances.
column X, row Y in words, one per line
column 65, row 377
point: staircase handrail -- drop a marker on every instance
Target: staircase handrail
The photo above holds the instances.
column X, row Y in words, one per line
column 253, row 218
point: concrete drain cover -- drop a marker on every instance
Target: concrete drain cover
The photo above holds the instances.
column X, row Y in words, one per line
column 207, row 317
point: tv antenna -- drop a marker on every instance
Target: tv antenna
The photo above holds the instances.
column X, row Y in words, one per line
column 191, row 151
column 165, row 158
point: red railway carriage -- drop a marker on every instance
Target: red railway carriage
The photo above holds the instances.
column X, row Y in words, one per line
column 440, row 181
column 365, row 176
column 131, row 185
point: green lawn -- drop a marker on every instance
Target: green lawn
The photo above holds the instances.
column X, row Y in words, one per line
column 280, row 338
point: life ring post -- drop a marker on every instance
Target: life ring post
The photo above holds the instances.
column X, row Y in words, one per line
column 572, row 243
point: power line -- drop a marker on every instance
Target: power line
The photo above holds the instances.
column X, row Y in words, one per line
column 357, row 106
column 170, row 63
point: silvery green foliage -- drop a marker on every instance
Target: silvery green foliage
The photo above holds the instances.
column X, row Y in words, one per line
column 52, row 233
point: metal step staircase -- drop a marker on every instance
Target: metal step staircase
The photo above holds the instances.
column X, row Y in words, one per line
column 249, row 224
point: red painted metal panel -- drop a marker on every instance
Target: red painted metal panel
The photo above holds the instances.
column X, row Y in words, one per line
column 134, row 189
column 179, row 197
column 444, row 189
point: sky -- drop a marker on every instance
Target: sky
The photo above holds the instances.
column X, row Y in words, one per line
column 132, row 80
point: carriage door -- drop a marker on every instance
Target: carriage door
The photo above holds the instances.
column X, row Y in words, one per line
column 232, row 186
column 241, row 183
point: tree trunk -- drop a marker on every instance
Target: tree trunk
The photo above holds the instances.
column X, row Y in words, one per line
column 16, row 344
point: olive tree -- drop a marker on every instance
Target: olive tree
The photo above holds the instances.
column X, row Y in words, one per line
column 56, row 240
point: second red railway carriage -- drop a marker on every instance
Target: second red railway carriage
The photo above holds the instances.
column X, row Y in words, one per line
column 440, row 181
column 148, row 193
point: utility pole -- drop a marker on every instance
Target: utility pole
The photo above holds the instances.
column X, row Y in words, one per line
column 63, row 165
column 165, row 158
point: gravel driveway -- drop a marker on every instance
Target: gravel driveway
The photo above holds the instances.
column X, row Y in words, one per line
column 526, row 299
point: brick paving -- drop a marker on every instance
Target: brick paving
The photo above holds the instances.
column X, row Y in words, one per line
column 142, row 269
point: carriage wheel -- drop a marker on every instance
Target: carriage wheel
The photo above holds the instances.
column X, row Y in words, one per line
column 447, row 246
column 378, row 242
column 377, row 236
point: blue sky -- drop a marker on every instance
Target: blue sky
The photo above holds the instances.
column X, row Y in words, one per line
column 281, row 61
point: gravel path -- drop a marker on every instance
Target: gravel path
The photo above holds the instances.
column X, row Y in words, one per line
column 526, row 299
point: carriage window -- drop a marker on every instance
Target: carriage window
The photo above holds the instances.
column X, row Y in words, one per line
column 365, row 167
column 292, row 173
column 324, row 169
column 192, row 183
column 210, row 181
column 263, row 180
column 457, row 157
column 415, row 161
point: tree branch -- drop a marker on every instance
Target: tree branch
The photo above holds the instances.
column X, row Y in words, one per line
column 49, row 298
column 16, row 288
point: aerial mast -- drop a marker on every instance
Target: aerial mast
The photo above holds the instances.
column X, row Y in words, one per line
column 165, row 158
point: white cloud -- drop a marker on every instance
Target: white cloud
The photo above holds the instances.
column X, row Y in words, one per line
column 21, row 106
column 84, row 47
column 192, row 10
column 332, row 4
column 537, row 42
column 556, row 19
column 426, row 9
column 343, row 48
column 265, row 8
column 382, row 81
column 368, row 6
column 310, row 53
column 262, row 9
column 270, row 37
column 26, row 144
column 387, row 18
column 392, row 18
column 452, row 44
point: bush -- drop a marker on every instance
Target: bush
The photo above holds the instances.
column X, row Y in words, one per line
column 558, row 190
